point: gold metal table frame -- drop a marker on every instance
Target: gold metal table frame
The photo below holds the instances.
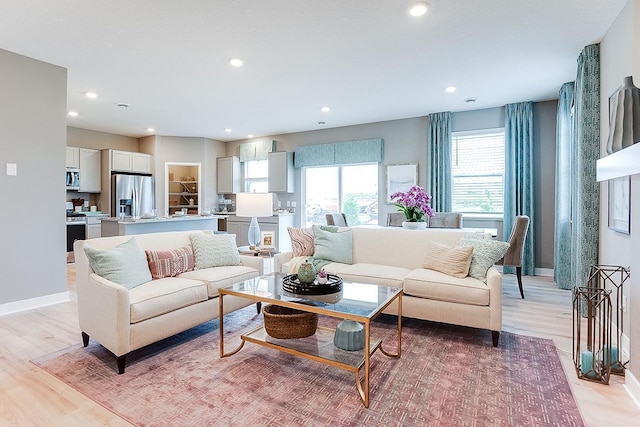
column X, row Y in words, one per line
column 319, row 347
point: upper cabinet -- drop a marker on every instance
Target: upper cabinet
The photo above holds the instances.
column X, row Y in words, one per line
column 228, row 181
column 127, row 161
column 281, row 176
column 89, row 162
column 73, row 157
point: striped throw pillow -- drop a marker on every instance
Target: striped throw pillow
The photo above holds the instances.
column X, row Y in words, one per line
column 445, row 259
column 170, row 263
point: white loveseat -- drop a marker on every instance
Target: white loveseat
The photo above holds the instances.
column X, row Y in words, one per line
column 394, row 256
column 123, row 319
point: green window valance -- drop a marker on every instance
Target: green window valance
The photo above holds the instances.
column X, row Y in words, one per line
column 335, row 153
column 257, row 150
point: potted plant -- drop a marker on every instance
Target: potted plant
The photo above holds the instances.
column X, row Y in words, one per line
column 322, row 277
column 415, row 205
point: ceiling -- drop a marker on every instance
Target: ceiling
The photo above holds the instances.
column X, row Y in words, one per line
column 368, row 60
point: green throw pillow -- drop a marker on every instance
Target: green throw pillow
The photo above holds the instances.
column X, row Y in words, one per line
column 332, row 246
column 214, row 250
column 485, row 254
column 125, row 264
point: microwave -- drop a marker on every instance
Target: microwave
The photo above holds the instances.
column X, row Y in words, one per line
column 73, row 179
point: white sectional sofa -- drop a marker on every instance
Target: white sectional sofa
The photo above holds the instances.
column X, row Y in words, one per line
column 394, row 256
column 123, row 319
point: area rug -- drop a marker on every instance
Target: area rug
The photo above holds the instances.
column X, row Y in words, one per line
column 447, row 376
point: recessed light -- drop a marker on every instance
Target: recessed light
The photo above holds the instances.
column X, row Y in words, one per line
column 91, row 95
column 450, row 89
column 325, row 109
column 73, row 113
column 235, row 62
column 472, row 99
column 228, row 130
column 151, row 130
column 418, row 8
column 250, row 136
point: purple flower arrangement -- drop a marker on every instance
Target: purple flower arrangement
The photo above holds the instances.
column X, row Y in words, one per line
column 414, row 203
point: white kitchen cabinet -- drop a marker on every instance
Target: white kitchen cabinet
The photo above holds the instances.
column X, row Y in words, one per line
column 281, row 172
column 127, row 161
column 73, row 157
column 228, row 175
column 277, row 224
column 90, row 180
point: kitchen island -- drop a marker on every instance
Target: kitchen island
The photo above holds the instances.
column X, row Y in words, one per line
column 114, row 226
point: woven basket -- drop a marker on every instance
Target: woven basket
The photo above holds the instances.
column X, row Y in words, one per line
column 284, row 322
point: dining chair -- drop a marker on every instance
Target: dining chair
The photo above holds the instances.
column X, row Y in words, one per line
column 445, row 220
column 337, row 219
column 395, row 219
column 513, row 257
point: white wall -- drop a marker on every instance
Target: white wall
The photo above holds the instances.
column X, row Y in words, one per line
column 620, row 57
column 32, row 219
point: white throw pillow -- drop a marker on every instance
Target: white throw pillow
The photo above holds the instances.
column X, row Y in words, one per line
column 445, row 259
column 485, row 254
column 214, row 250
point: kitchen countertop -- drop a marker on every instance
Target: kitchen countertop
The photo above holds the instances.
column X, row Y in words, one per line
column 129, row 220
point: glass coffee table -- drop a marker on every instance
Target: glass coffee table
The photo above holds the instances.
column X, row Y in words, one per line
column 356, row 301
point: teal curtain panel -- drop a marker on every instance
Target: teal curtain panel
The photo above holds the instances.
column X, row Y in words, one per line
column 518, row 181
column 439, row 161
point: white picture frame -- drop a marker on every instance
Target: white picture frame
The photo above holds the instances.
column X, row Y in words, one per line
column 619, row 205
column 401, row 178
column 267, row 239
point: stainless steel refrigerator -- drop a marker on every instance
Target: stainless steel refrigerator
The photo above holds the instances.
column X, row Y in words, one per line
column 132, row 195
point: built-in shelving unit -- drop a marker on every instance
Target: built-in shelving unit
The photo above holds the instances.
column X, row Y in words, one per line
column 183, row 188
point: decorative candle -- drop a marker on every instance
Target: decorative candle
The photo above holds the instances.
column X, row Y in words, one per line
column 586, row 366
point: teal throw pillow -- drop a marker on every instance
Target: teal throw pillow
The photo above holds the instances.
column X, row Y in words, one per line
column 333, row 246
column 485, row 254
column 214, row 250
column 125, row 264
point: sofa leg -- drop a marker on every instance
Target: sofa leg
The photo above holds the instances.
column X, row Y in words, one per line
column 85, row 339
column 519, row 276
column 121, row 360
column 258, row 306
column 496, row 336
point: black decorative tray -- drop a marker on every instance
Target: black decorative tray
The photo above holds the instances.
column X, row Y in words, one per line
column 290, row 283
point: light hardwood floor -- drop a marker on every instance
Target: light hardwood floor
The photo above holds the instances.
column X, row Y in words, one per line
column 31, row 397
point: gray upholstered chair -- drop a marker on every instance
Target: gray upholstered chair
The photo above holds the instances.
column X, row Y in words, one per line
column 337, row 219
column 445, row 220
column 513, row 257
column 395, row 219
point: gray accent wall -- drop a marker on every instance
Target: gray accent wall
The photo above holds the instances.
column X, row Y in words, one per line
column 33, row 136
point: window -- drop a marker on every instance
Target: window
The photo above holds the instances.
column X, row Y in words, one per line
column 351, row 189
column 256, row 176
column 477, row 169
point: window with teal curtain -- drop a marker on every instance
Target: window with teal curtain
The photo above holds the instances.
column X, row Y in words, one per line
column 439, row 152
column 585, row 199
column 340, row 153
column 562, row 231
column 518, row 180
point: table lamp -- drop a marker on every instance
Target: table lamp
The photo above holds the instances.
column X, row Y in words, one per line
column 254, row 205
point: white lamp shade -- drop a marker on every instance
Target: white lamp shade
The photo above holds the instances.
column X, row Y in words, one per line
column 254, row 204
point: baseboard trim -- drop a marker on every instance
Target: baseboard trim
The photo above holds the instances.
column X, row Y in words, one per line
column 30, row 304
column 632, row 385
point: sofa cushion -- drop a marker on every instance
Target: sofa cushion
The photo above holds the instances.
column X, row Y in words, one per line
column 170, row 263
column 375, row 274
column 301, row 241
column 453, row 261
column 435, row 285
column 221, row 277
column 158, row 297
column 213, row 250
column 124, row 264
column 485, row 254
column 333, row 246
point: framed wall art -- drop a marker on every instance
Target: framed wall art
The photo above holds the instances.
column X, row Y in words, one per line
column 401, row 178
column 620, row 205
